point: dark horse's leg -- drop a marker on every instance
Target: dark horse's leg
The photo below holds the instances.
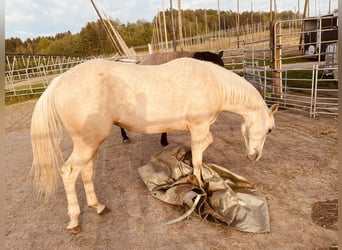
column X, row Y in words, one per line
column 124, row 135
column 163, row 139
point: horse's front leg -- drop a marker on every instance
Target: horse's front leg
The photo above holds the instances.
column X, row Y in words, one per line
column 163, row 139
column 201, row 138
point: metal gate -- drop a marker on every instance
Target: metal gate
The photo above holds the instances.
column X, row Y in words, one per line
column 303, row 82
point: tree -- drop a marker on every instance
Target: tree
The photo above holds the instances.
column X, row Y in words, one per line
column 12, row 44
column 43, row 45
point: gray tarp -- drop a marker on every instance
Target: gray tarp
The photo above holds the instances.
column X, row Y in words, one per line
column 227, row 197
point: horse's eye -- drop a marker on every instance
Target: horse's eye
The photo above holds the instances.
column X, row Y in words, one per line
column 270, row 130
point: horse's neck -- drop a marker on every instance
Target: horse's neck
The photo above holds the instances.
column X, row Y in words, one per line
column 245, row 102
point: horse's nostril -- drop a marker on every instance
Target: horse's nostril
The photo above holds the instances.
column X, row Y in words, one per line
column 253, row 157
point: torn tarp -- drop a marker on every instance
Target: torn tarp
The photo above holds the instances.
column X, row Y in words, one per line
column 227, row 197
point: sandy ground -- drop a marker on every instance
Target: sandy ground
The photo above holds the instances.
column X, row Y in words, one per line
column 297, row 170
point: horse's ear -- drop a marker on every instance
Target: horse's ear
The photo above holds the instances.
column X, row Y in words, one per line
column 220, row 54
column 273, row 109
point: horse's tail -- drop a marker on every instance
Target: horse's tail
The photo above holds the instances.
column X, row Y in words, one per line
column 46, row 134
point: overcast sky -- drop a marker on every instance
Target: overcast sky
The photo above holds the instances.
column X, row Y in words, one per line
column 33, row 18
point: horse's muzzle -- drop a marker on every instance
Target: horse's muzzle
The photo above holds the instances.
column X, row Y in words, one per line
column 254, row 157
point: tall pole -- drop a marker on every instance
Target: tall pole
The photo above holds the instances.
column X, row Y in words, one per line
column 173, row 28
column 159, row 30
column 306, row 9
column 206, row 22
column 329, row 7
column 180, row 26
column 238, row 23
column 219, row 19
column 111, row 38
column 252, row 20
column 275, row 52
column 165, row 33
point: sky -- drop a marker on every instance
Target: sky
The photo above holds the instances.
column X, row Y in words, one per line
column 32, row 18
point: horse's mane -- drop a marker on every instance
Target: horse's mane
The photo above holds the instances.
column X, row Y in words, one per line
column 241, row 92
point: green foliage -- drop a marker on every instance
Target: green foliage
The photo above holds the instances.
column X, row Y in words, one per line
column 136, row 34
column 93, row 40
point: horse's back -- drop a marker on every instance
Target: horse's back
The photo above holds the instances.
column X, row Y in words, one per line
column 101, row 91
column 102, row 79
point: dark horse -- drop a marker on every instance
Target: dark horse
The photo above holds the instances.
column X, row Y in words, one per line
column 160, row 58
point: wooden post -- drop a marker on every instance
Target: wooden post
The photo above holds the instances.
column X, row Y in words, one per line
column 252, row 21
column 206, row 22
column 173, row 28
column 165, row 32
column 238, row 24
column 275, row 54
column 219, row 18
column 157, row 32
column 111, row 38
column 180, row 26
column 306, row 7
column 160, row 31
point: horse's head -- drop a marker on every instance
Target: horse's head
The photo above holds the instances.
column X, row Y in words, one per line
column 254, row 131
column 210, row 56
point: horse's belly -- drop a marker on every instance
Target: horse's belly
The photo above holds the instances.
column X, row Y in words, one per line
column 151, row 127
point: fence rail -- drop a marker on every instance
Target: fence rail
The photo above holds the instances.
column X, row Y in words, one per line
column 27, row 75
column 310, row 93
column 316, row 96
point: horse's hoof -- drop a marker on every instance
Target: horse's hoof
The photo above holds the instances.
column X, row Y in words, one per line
column 106, row 210
column 126, row 141
column 164, row 143
column 75, row 230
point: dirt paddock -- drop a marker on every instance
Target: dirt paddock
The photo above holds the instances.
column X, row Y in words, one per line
column 297, row 174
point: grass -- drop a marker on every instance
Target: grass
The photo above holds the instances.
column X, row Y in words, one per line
column 302, row 79
column 22, row 94
column 21, row 98
column 297, row 59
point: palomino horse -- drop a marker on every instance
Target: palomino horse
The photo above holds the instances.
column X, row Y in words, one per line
column 160, row 58
column 184, row 94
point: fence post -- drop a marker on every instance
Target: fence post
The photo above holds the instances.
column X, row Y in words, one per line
column 285, row 89
column 265, row 83
column 312, row 91
column 275, row 46
column 315, row 92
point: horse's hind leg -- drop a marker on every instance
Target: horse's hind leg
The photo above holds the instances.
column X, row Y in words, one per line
column 69, row 173
column 87, row 178
column 124, row 135
column 81, row 156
